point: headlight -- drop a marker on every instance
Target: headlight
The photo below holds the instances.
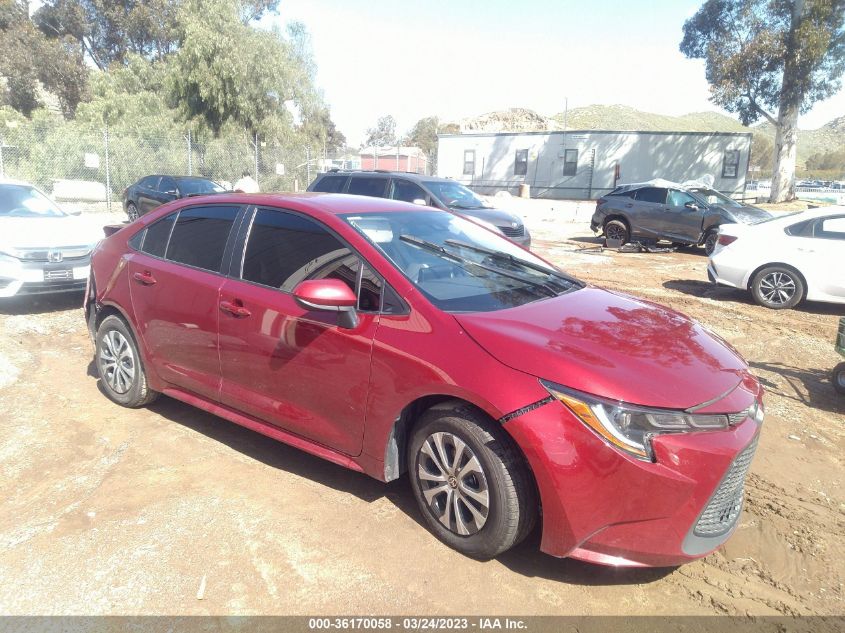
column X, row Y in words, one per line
column 630, row 428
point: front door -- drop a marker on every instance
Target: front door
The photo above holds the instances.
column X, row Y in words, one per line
column 175, row 282
column 291, row 367
column 647, row 214
column 682, row 223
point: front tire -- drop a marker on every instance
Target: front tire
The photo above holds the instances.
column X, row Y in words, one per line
column 837, row 377
column 777, row 287
column 473, row 488
column 119, row 364
column 131, row 211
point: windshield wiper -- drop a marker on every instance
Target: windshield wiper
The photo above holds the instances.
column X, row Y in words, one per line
column 517, row 261
column 446, row 254
column 456, row 205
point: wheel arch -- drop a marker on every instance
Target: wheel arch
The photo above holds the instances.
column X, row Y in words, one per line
column 396, row 448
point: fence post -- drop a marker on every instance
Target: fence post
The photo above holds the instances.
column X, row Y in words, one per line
column 2, row 168
column 256, row 157
column 307, row 165
column 190, row 164
column 108, row 171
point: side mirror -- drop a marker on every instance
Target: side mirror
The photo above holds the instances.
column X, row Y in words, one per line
column 328, row 295
column 692, row 206
column 419, row 201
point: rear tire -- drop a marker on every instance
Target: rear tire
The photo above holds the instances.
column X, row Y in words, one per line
column 837, row 377
column 474, row 490
column 617, row 230
column 710, row 243
column 119, row 365
column 777, row 287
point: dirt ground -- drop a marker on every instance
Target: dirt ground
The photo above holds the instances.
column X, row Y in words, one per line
column 168, row 510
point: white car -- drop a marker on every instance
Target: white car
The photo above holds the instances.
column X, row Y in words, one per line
column 42, row 248
column 786, row 259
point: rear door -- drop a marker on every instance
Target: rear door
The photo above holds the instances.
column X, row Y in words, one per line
column 147, row 192
column 647, row 214
column 282, row 363
column 175, row 281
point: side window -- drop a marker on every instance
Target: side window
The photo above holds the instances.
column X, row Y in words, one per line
column 157, row 235
column 570, row 162
column 520, row 162
column 730, row 164
column 407, row 191
column 652, row 194
column 199, row 236
column 469, row 162
column 167, row 184
column 373, row 187
column 831, row 228
column 331, row 184
column 679, row 198
column 150, row 182
column 801, row 229
column 284, row 248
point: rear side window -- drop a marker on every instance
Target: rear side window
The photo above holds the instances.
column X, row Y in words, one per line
column 199, row 236
column 167, row 184
column 149, row 182
column 831, row 228
column 157, row 235
column 373, row 187
column 331, row 184
column 652, row 194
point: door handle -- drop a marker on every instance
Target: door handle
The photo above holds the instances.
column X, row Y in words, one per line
column 145, row 278
column 235, row 308
column 629, row 205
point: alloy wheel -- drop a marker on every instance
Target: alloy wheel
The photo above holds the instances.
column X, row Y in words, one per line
column 615, row 232
column 132, row 212
column 777, row 288
column 117, row 362
column 453, row 483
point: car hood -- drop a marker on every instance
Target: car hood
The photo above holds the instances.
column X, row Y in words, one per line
column 55, row 231
column 498, row 217
column 746, row 214
column 611, row 345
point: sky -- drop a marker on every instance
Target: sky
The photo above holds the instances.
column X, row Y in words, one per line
column 456, row 59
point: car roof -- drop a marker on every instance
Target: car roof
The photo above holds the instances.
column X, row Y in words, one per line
column 410, row 175
column 317, row 203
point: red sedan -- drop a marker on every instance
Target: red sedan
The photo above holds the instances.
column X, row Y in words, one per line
column 394, row 339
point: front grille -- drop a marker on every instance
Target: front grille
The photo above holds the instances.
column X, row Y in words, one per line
column 55, row 275
column 726, row 503
column 513, row 232
column 736, row 418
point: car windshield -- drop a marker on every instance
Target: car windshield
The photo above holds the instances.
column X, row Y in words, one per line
column 23, row 201
column 457, row 264
column 194, row 186
column 454, row 194
column 711, row 196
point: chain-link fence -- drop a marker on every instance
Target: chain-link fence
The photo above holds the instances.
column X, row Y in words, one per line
column 91, row 169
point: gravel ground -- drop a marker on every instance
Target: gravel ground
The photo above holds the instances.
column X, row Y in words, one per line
column 105, row 510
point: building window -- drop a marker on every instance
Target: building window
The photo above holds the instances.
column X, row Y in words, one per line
column 469, row 162
column 730, row 164
column 570, row 162
column 520, row 162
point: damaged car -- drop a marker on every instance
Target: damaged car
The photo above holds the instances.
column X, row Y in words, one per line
column 686, row 214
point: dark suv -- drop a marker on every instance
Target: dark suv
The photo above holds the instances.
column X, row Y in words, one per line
column 662, row 210
column 442, row 193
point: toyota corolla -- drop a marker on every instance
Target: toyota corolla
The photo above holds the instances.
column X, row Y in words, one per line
column 395, row 340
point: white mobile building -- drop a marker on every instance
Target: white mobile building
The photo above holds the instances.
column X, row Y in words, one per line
column 588, row 163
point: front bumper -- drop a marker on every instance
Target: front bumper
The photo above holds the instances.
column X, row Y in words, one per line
column 27, row 278
column 605, row 507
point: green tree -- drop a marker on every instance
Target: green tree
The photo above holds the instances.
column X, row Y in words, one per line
column 772, row 59
column 424, row 136
column 383, row 134
column 30, row 61
column 109, row 31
